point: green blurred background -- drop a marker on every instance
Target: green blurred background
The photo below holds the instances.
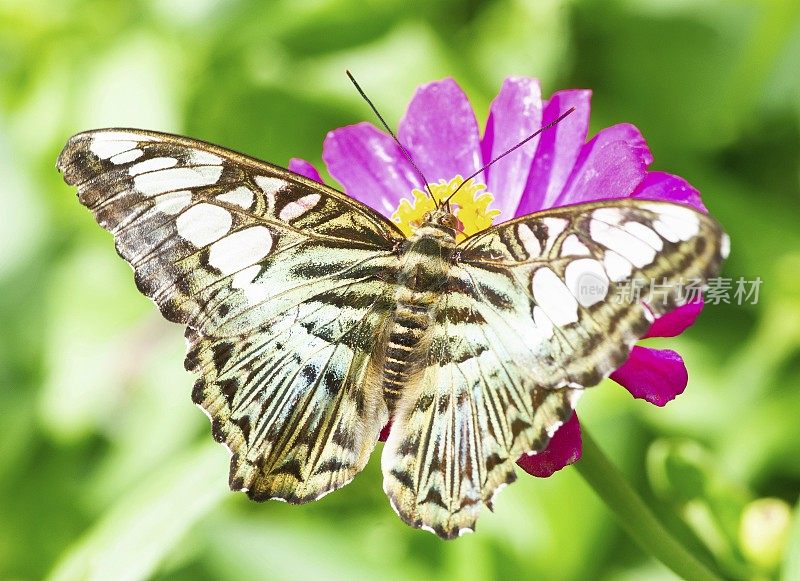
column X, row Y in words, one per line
column 108, row 471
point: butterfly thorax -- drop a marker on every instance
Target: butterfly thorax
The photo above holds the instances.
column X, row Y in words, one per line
column 425, row 263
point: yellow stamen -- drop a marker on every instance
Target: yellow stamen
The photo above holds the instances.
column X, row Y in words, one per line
column 470, row 205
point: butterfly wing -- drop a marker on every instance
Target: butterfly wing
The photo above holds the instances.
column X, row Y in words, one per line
column 518, row 338
column 456, row 433
column 581, row 284
column 280, row 281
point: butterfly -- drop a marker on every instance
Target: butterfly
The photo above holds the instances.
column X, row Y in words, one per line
column 312, row 320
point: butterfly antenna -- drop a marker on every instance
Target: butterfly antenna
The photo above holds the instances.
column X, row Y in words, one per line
column 386, row 126
column 517, row 146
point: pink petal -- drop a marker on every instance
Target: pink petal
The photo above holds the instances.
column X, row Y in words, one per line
column 440, row 131
column 656, row 375
column 370, row 166
column 611, row 165
column 557, row 150
column 304, row 168
column 515, row 114
column 564, row 449
column 663, row 186
column 677, row 321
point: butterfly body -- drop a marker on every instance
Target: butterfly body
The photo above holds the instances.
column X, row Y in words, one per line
column 425, row 261
column 312, row 320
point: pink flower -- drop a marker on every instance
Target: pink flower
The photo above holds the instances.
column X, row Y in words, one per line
column 557, row 168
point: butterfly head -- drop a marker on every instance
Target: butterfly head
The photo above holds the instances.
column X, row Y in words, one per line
column 438, row 223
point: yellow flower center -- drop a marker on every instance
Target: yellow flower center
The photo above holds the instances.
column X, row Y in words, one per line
column 470, row 205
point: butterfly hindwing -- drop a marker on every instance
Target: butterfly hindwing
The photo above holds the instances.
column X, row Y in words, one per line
column 281, row 282
column 457, row 432
column 297, row 402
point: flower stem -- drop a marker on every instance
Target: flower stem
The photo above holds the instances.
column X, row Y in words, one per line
column 634, row 516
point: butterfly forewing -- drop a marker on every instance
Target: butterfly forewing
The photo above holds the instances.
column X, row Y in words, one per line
column 193, row 218
column 281, row 283
column 580, row 284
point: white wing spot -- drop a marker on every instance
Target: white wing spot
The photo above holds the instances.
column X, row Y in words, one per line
column 200, row 157
column 105, row 149
column 203, row 224
column 725, row 246
column 622, row 242
column 675, row 223
column 665, row 231
column 240, row 249
column 294, row 210
column 553, row 296
column 645, row 234
column 529, row 241
column 555, row 226
column 127, row 156
column 241, row 196
column 271, row 186
column 106, row 144
column 173, row 202
column 572, row 246
column 587, row 280
column 179, row 178
column 608, row 215
column 617, row 267
column 153, row 164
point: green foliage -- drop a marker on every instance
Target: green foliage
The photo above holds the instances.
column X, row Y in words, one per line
column 108, row 471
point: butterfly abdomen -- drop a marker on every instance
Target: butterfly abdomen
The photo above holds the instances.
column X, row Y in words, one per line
column 420, row 282
column 403, row 349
